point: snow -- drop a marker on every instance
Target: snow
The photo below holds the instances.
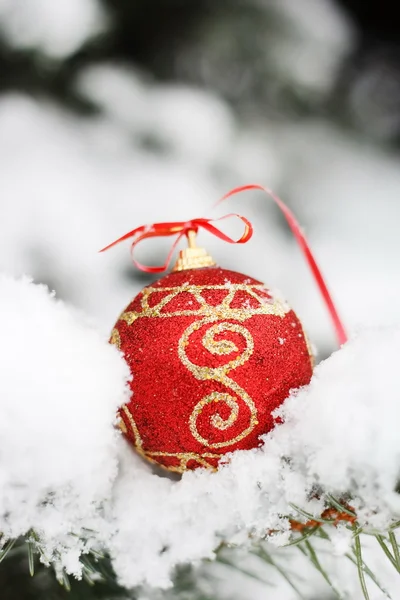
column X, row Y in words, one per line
column 60, row 386
column 82, row 184
column 57, row 29
column 360, row 404
column 311, row 57
column 64, row 470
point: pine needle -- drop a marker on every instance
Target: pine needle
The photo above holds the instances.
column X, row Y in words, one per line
column 66, row 582
column 59, row 578
column 322, row 534
column 31, row 558
column 309, row 516
column 393, row 541
column 314, row 559
column 300, row 539
column 88, row 565
column 97, row 554
column 228, row 563
column 381, row 541
column 63, row 580
column 87, row 577
column 336, row 504
column 368, row 572
column 262, row 553
column 6, row 549
column 358, row 553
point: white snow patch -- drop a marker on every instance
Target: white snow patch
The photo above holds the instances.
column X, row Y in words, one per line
column 57, row 28
column 60, row 386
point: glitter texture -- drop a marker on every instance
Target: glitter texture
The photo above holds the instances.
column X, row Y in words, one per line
column 203, row 346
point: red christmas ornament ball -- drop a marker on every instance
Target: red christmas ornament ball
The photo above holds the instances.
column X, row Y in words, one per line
column 212, row 353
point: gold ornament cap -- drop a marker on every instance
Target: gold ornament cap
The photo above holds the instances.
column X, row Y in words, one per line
column 193, row 257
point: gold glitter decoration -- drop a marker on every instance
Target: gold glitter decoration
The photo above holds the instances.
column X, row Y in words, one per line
column 193, row 257
column 182, row 457
column 196, row 258
column 115, row 338
column 309, row 349
column 122, row 426
column 221, row 311
column 216, row 420
column 129, row 317
column 218, row 346
column 135, row 430
column 219, row 374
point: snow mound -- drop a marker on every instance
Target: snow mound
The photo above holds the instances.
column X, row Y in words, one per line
column 60, row 387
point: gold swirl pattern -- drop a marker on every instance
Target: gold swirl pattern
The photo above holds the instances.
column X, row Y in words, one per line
column 182, row 457
column 220, row 374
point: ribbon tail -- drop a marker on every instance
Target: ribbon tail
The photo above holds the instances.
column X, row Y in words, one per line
column 305, row 248
column 124, row 237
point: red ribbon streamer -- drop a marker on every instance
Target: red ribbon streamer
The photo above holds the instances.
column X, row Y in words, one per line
column 305, row 248
column 181, row 228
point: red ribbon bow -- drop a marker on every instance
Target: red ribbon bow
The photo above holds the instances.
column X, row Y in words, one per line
column 181, row 228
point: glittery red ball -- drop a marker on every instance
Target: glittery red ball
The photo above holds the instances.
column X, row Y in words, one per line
column 212, row 354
